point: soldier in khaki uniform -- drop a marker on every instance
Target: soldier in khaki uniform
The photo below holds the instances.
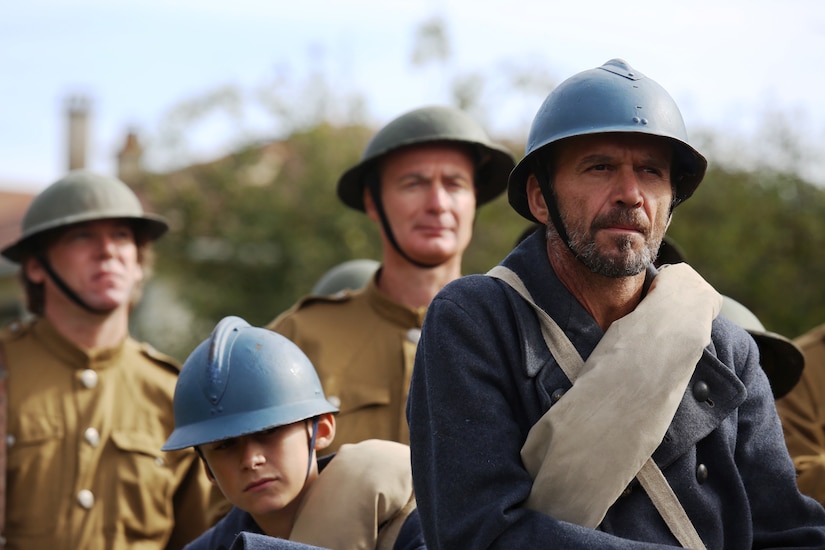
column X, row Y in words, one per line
column 420, row 179
column 802, row 412
column 89, row 408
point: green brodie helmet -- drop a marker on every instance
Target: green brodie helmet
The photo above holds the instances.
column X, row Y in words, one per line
column 83, row 196
column 240, row 381
column 352, row 274
column 431, row 125
column 611, row 98
column 780, row 358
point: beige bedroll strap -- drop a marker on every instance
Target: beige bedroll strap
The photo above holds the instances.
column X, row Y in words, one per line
column 589, row 463
column 667, row 503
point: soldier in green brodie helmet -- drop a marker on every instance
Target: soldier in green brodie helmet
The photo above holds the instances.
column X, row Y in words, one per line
column 88, row 406
column 420, row 179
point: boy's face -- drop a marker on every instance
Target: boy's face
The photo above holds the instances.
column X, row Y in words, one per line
column 262, row 473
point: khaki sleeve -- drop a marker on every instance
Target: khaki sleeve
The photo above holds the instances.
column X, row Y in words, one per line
column 198, row 503
column 802, row 412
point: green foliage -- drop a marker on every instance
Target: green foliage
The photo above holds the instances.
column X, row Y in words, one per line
column 251, row 233
column 758, row 237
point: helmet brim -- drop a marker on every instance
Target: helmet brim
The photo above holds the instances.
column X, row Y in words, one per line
column 245, row 423
column 150, row 226
column 781, row 360
column 490, row 178
column 689, row 165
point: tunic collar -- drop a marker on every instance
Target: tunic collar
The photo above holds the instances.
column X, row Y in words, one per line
column 392, row 311
column 72, row 355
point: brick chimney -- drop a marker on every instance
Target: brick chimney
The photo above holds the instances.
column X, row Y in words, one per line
column 128, row 160
column 78, row 108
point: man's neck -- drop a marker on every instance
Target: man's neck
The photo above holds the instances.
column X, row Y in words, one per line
column 414, row 286
column 90, row 330
column 605, row 298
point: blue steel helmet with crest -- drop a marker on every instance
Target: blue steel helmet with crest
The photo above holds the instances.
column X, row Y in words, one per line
column 613, row 98
column 243, row 380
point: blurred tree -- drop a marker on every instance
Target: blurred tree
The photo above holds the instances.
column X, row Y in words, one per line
column 758, row 237
column 253, row 230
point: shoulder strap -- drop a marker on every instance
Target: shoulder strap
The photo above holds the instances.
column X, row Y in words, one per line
column 569, row 360
column 557, row 342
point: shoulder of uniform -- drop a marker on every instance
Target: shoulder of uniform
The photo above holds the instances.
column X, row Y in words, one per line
column 15, row 329
column 156, row 356
column 340, row 297
column 815, row 336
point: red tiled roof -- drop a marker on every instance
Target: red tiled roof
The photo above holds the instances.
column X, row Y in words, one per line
column 13, row 206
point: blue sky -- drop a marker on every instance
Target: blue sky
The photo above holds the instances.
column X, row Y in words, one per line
column 729, row 64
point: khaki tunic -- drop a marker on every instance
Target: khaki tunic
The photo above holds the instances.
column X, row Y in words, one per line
column 85, row 469
column 363, row 347
column 802, row 412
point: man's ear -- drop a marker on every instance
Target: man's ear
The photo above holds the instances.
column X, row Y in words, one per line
column 369, row 204
column 326, row 431
column 535, row 200
column 33, row 270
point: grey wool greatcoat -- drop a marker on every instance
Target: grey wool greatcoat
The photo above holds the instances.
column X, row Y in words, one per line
column 483, row 376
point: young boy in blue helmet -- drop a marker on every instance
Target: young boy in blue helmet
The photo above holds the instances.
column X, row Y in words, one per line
column 250, row 402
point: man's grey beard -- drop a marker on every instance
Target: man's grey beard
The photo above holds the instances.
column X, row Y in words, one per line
column 631, row 263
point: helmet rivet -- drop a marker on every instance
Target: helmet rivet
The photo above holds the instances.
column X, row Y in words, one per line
column 636, row 120
column 644, row 121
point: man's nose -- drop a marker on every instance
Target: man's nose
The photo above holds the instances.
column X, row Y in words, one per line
column 437, row 196
column 627, row 188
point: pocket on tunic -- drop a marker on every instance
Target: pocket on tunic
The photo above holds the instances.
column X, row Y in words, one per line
column 356, row 396
column 144, row 483
column 34, row 470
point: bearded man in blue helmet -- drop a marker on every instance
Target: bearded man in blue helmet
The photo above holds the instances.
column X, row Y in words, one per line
column 576, row 397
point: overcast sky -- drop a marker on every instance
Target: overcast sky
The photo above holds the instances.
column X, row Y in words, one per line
column 728, row 63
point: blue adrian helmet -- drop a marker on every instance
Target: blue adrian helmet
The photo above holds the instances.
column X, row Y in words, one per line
column 243, row 380
column 611, row 98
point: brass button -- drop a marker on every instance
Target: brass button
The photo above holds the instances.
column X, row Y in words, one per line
column 86, row 499
column 92, row 437
column 88, row 378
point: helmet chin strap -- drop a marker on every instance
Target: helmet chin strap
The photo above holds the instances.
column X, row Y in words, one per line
column 553, row 208
column 312, row 444
column 543, row 178
column 379, row 206
column 71, row 294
